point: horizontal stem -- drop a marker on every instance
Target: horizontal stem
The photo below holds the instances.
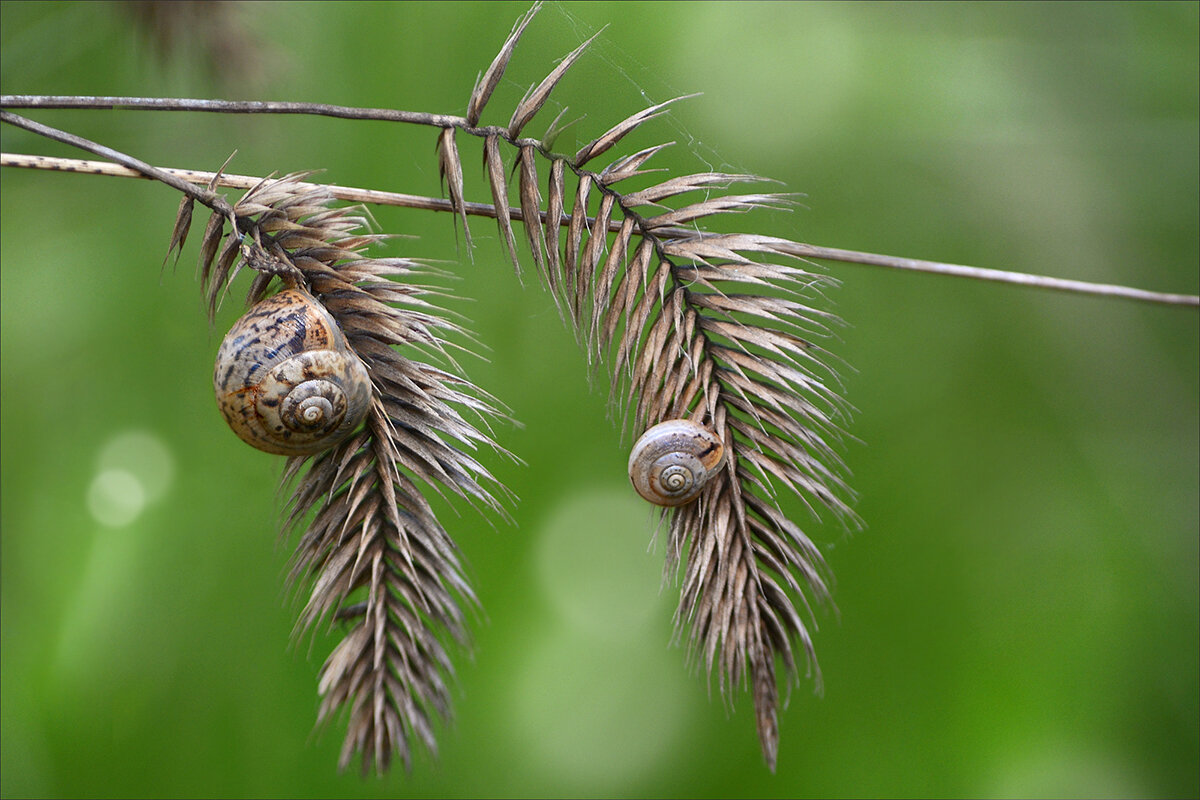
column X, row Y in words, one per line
column 230, row 181
column 136, row 167
column 799, row 250
column 227, row 107
column 993, row 275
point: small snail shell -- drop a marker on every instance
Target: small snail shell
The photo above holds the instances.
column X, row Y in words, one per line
column 286, row 381
column 672, row 462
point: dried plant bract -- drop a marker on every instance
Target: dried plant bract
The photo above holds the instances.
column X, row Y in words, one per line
column 718, row 328
column 376, row 561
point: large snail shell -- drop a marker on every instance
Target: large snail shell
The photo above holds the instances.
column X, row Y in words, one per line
column 672, row 462
column 285, row 379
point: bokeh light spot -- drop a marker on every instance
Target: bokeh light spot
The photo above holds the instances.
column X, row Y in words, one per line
column 594, row 566
column 594, row 717
column 134, row 468
column 144, row 455
column 116, row 498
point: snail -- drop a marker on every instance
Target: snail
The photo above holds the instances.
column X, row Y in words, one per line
column 672, row 461
column 286, row 380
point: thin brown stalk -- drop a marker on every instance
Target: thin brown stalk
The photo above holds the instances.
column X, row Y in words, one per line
column 207, row 197
column 468, row 208
column 229, row 107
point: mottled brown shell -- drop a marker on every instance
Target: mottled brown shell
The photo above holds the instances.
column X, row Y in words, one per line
column 285, row 379
column 671, row 463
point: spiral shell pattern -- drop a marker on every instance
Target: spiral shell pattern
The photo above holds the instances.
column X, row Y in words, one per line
column 672, row 461
column 286, row 381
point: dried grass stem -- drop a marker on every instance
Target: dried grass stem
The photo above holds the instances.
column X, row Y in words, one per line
column 191, row 178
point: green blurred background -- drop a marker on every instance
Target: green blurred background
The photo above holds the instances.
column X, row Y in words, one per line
column 1019, row 618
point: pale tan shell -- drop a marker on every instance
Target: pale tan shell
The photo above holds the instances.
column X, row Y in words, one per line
column 672, row 461
column 285, row 379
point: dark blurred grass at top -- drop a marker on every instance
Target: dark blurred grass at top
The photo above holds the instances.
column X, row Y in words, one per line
column 1019, row 617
